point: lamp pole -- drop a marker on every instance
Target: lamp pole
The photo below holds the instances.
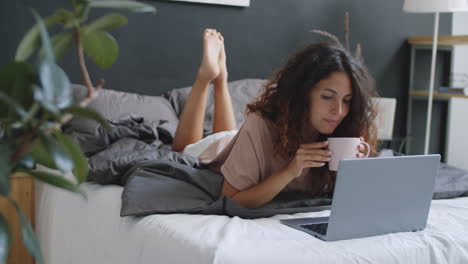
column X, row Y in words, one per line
column 431, row 84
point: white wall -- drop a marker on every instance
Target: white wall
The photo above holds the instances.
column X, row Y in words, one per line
column 457, row 144
column 460, row 55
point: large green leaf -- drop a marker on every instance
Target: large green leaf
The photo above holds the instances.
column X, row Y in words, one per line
column 31, row 40
column 55, row 180
column 48, row 152
column 87, row 113
column 27, row 234
column 123, row 4
column 79, row 161
column 45, row 39
column 56, row 87
column 101, row 47
column 106, row 23
column 60, row 44
column 15, row 82
column 5, row 239
column 5, row 153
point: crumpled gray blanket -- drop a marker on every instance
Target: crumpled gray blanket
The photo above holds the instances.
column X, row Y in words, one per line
column 111, row 153
column 166, row 187
column 137, row 155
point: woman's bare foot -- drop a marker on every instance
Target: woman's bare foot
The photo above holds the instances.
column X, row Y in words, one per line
column 222, row 76
column 212, row 44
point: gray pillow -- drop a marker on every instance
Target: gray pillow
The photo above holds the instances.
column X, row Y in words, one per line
column 242, row 92
column 114, row 104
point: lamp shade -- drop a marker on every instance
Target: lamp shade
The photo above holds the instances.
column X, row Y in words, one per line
column 385, row 116
column 432, row 6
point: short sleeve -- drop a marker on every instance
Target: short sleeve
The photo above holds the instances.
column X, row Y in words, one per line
column 244, row 165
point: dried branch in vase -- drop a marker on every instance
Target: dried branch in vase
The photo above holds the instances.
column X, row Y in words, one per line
column 358, row 50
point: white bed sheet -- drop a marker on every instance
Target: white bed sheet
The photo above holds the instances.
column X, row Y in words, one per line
column 72, row 230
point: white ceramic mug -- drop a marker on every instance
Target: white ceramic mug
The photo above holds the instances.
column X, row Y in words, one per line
column 344, row 148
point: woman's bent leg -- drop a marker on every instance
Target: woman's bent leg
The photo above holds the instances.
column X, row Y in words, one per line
column 223, row 119
column 190, row 127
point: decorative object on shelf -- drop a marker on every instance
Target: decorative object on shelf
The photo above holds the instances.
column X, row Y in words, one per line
column 245, row 3
column 453, row 90
column 459, row 80
column 433, row 6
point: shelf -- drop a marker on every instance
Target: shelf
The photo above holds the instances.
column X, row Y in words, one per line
column 436, row 94
column 446, row 40
column 442, row 115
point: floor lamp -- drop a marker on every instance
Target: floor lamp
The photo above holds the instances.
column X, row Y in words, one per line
column 433, row 6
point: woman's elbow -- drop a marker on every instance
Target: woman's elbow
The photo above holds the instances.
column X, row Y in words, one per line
column 228, row 190
column 240, row 199
column 238, row 196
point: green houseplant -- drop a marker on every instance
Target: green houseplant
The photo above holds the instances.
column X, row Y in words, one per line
column 36, row 100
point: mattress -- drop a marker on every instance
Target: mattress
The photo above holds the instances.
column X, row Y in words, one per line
column 77, row 231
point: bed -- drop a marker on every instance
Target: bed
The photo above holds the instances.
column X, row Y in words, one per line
column 73, row 230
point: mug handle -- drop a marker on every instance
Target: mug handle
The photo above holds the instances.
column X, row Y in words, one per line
column 368, row 148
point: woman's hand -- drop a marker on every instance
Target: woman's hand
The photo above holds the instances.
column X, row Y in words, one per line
column 309, row 156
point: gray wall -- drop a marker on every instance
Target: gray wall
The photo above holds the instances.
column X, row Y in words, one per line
column 161, row 52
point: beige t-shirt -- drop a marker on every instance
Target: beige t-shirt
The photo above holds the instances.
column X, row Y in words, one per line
column 249, row 158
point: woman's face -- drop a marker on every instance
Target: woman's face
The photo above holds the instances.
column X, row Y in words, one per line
column 330, row 102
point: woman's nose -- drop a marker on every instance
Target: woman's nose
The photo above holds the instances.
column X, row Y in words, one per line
column 337, row 108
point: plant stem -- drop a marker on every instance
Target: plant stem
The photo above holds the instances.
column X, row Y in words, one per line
column 81, row 60
column 92, row 91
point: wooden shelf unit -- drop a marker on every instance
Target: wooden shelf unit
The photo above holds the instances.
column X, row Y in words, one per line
column 443, row 40
column 22, row 191
column 437, row 94
column 448, row 108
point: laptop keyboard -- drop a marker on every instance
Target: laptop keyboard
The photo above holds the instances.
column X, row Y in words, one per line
column 320, row 228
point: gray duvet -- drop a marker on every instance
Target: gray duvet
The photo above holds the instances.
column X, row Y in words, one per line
column 136, row 154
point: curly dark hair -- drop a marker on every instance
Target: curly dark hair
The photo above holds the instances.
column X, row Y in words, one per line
column 285, row 101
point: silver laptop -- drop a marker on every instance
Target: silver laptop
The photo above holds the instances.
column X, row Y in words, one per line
column 375, row 196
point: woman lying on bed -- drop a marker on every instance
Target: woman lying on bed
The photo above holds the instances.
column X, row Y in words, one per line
column 322, row 91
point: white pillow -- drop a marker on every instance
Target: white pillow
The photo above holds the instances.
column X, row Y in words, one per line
column 197, row 148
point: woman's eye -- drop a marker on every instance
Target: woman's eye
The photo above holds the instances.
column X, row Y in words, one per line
column 326, row 97
column 347, row 101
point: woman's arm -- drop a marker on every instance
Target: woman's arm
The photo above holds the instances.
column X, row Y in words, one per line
column 307, row 156
column 261, row 193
